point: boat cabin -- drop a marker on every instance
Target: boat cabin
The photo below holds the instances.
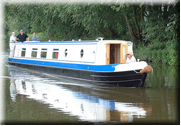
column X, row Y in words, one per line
column 98, row 52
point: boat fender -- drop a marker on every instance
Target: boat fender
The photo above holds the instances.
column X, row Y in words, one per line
column 147, row 69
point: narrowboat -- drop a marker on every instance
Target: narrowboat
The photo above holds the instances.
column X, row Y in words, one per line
column 96, row 61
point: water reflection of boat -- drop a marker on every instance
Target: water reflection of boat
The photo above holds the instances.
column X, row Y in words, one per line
column 87, row 104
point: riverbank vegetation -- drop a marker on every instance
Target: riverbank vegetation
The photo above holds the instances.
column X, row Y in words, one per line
column 154, row 29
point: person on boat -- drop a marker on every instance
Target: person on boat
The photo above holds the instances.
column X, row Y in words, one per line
column 22, row 37
column 34, row 38
column 56, row 55
column 13, row 38
column 130, row 57
column 12, row 42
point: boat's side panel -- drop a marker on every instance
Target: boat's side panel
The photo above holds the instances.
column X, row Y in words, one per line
column 73, row 52
column 94, row 52
column 101, row 53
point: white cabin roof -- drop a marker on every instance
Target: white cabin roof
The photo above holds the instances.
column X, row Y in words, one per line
column 75, row 42
column 116, row 41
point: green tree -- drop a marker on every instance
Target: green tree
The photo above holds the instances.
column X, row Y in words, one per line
column 153, row 28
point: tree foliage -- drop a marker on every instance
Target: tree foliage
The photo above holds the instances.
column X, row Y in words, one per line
column 152, row 28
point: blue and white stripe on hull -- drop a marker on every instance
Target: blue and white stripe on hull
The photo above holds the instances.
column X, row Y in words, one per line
column 97, row 68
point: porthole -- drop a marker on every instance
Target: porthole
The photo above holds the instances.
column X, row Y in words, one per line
column 81, row 53
column 66, row 52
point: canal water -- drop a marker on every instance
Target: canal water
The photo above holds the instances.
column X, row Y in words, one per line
column 32, row 97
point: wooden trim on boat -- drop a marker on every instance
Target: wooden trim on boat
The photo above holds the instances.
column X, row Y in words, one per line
column 108, row 53
column 120, row 50
column 122, row 59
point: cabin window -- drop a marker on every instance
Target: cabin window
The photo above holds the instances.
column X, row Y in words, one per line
column 34, row 52
column 55, row 53
column 124, row 51
column 66, row 52
column 81, row 53
column 43, row 53
column 23, row 52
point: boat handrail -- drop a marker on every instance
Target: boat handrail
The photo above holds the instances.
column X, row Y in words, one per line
column 136, row 71
column 31, row 41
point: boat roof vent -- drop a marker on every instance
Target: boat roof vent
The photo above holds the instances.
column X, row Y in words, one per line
column 79, row 39
column 99, row 38
column 72, row 39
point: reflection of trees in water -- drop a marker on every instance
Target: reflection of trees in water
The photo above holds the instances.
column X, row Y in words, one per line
column 163, row 94
column 163, row 76
column 164, row 103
